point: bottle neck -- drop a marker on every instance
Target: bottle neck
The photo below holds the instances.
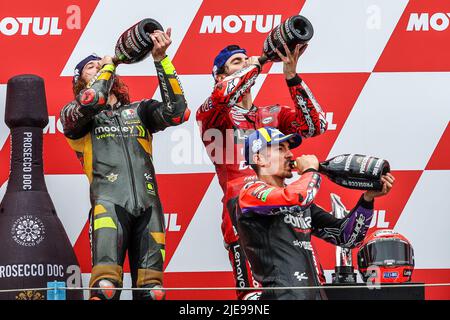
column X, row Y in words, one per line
column 323, row 167
column 27, row 171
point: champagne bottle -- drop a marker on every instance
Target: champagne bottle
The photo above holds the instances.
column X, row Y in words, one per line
column 293, row 31
column 135, row 43
column 355, row 171
column 35, row 246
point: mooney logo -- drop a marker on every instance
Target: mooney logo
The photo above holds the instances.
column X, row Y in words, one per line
column 423, row 22
column 10, row 26
column 234, row 24
column 120, row 129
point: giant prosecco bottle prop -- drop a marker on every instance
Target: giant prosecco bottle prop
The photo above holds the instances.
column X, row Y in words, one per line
column 35, row 246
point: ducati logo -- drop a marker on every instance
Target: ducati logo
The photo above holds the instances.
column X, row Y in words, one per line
column 129, row 114
column 267, row 120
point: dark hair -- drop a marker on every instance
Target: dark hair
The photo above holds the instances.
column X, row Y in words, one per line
column 221, row 70
column 255, row 168
column 119, row 89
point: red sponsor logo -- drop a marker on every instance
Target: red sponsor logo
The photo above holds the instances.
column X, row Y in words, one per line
column 302, row 230
column 425, row 21
column 238, row 23
column 425, row 25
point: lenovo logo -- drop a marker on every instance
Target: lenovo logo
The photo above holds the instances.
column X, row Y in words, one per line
column 423, row 22
column 234, row 23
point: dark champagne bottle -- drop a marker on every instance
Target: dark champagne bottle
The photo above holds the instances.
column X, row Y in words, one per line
column 293, row 31
column 355, row 171
column 35, row 246
column 135, row 44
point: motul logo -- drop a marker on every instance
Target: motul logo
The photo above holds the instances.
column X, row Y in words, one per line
column 234, row 24
column 423, row 22
column 170, row 221
column 379, row 219
column 10, row 26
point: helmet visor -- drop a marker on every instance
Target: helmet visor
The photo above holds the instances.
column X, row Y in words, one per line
column 388, row 252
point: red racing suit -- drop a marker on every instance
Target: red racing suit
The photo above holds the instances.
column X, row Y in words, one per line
column 224, row 125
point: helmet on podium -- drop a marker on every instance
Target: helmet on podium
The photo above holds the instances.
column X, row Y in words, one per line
column 389, row 254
